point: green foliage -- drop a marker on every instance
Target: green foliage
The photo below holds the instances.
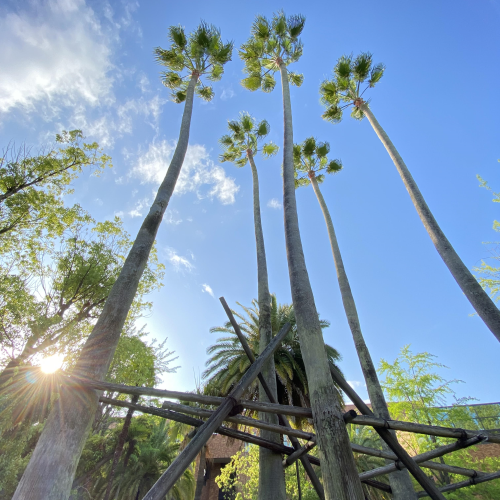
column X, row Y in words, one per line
column 345, row 88
column 51, row 296
column 32, row 186
column 228, row 361
column 309, row 159
column 273, row 42
column 489, row 272
column 417, row 393
column 243, row 140
column 242, row 475
column 200, row 53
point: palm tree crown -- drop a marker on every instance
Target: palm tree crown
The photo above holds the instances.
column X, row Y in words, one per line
column 352, row 77
column 243, row 140
column 200, row 53
column 228, row 361
column 309, row 158
column 272, row 42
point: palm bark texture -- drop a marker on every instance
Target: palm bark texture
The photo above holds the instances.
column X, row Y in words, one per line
column 344, row 90
column 50, row 472
column 272, row 47
column 240, row 147
column 311, row 162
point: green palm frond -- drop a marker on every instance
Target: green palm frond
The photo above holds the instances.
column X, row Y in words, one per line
column 171, row 79
column 206, row 93
column 177, row 36
column 252, row 82
column 262, row 129
column 179, row 96
column 357, row 113
column 268, row 83
column 295, row 78
column 334, row 166
column 216, row 74
column 269, row 149
column 333, row 114
column 361, row 66
column 376, row 74
column 310, row 160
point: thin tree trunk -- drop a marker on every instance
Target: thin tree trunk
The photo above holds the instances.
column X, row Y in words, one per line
column 401, row 484
column 478, row 297
column 119, row 447
column 50, row 472
column 340, row 477
column 200, row 478
column 271, row 475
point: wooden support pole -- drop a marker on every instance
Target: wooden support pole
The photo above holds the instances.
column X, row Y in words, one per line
column 463, row 484
column 281, row 418
column 75, row 382
column 424, row 458
column 299, row 453
column 390, row 440
column 188, row 454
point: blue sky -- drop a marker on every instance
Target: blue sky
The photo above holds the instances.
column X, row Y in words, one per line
column 86, row 64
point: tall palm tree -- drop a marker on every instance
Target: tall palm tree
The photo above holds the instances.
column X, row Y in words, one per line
column 240, row 147
column 352, row 77
column 53, row 464
column 228, row 361
column 273, row 46
column 311, row 162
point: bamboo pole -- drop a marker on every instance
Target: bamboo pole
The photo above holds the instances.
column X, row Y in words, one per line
column 424, row 458
column 464, row 484
column 75, row 381
column 391, row 441
column 281, row 418
column 188, row 454
column 299, row 453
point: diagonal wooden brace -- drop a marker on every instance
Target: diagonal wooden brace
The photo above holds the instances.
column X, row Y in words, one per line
column 182, row 462
column 282, row 419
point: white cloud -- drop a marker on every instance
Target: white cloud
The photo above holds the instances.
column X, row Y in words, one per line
column 180, row 263
column 197, row 171
column 139, row 207
column 54, row 54
column 274, row 203
column 172, row 217
column 208, row 289
column 227, row 94
column 355, row 383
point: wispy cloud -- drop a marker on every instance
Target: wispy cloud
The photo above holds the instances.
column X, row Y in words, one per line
column 199, row 173
column 208, row 289
column 179, row 262
column 227, row 94
column 274, row 203
column 55, row 55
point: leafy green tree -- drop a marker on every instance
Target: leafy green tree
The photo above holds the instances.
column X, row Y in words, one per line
column 273, row 46
column 242, row 475
column 200, row 53
column 352, row 77
column 311, row 163
column 49, row 302
column 489, row 273
column 228, row 362
column 418, row 393
column 240, row 147
column 32, row 185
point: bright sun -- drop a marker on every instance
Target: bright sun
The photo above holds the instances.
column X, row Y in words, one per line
column 52, row 363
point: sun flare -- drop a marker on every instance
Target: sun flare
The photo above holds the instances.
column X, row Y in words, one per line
column 52, row 363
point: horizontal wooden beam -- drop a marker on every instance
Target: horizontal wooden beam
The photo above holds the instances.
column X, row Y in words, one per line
column 464, row 484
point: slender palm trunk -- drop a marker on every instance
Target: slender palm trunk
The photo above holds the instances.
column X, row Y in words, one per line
column 400, row 481
column 340, row 478
column 119, row 447
column 50, row 472
column 200, row 477
column 478, row 297
column 271, row 474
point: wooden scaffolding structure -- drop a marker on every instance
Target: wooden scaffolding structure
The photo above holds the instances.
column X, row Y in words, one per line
column 230, row 408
